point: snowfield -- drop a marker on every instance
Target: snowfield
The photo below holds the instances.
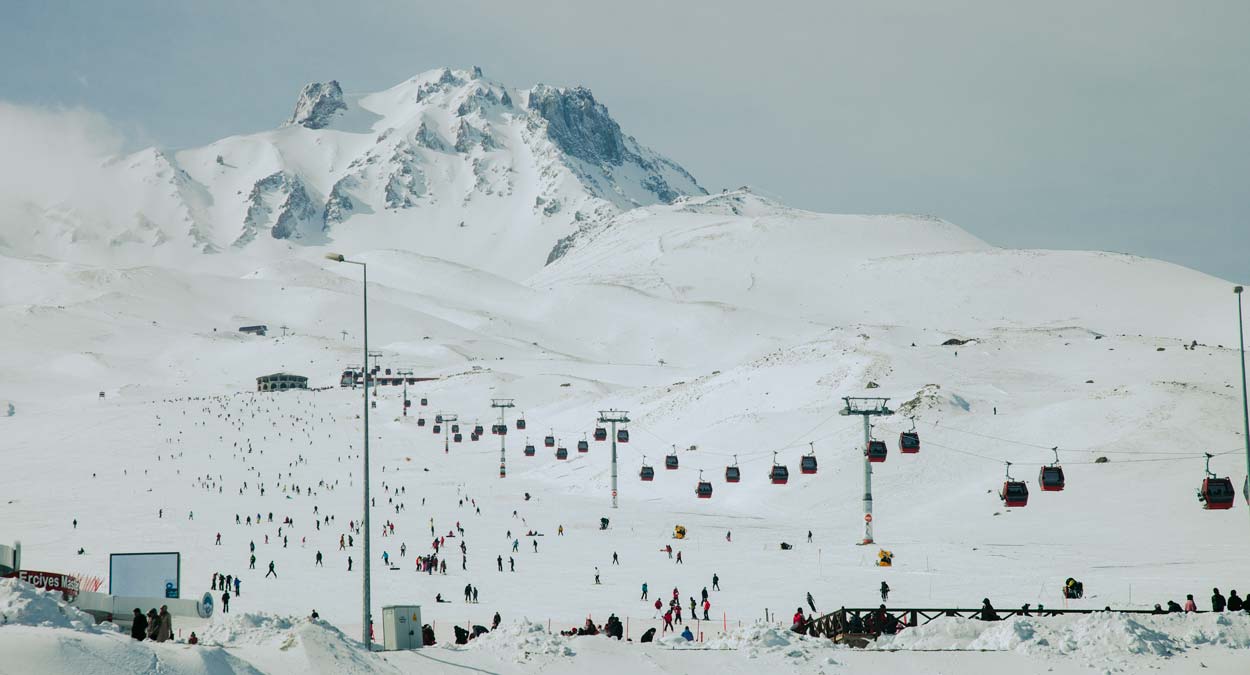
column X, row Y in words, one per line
column 727, row 325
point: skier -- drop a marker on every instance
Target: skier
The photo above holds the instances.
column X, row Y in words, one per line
column 596, row 576
column 615, row 560
column 511, row 564
column 271, row 571
column 885, row 592
column 468, row 591
column 668, row 622
column 706, row 606
column 715, row 583
column 218, row 539
column 319, row 563
column 349, row 563
column 225, row 602
column 251, row 565
column 475, row 595
column 644, row 591
column 705, row 592
column 237, row 583
column 536, row 546
column 668, row 548
column 499, row 562
column 811, row 603
column 679, row 558
column 809, row 536
column 728, row 536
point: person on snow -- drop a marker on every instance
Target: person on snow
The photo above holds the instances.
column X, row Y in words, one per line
column 349, row 563
column 668, row 622
column 706, row 606
column 1190, row 605
column 658, row 605
column 987, row 611
column 271, row 571
column 139, row 625
column 1217, row 601
column 677, row 612
column 318, row 564
column 154, row 624
column 1173, row 607
column 494, row 623
column 1235, row 603
column 225, row 602
column 237, row 583
column 644, row 591
column 193, row 640
column 715, row 583
column 885, row 592
column 687, row 634
column 499, row 562
column 797, row 621
column 679, row 558
column 165, row 626
column 615, row 559
column 811, row 603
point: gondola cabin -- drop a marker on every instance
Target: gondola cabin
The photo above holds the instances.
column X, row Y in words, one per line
column 779, row 475
column 808, row 464
column 622, row 436
column 478, row 430
column 549, row 442
column 501, row 429
column 732, row 474
column 583, row 446
column 562, row 453
column 876, row 451
column 601, row 434
column 438, row 418
column 530, row 451
column 520, row 424
column 425, row 401
column 646, row 473
column 670, row 462
column 1015, row 494
column 455, row 428
column 473, row 437
column 420, row 421
column 456, row 438
column 909, row 442
column 1217, row 494
column 438, row 429
column 1050, row 478
column 703, row 490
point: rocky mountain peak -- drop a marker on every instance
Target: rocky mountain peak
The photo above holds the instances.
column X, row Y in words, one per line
column 578, row 124
column 318, row 103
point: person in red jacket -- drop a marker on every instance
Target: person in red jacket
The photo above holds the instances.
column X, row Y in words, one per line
column 1190, row 606
column 706, row 606
column 796, row 624
column 668, row 622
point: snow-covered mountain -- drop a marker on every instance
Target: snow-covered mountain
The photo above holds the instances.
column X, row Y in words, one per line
column 512, row 170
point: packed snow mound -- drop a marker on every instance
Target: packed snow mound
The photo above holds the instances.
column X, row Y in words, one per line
column 524, row 640
column 252, row 629
column 23, row 604
column 758, row 639
column 1103, row 635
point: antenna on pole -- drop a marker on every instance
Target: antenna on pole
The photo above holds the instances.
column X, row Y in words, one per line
column 867, row 407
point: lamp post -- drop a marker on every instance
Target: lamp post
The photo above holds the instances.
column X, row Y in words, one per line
column 1245, row 405
column 367, row 600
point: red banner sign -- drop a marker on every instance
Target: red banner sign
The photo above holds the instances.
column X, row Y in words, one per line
column 51, row 581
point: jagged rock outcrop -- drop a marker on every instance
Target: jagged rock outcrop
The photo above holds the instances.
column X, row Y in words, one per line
column 318, row 103
column 579, row 124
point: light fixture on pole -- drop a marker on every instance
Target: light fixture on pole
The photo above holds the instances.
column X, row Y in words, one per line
column 366, row 628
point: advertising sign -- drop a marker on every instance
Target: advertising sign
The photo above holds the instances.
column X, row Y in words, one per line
column 145, row 575
column 50, row 581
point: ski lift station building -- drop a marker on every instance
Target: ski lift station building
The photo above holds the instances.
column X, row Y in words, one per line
column 281, row 382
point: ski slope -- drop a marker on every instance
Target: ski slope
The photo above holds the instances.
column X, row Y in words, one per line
column 729, row 327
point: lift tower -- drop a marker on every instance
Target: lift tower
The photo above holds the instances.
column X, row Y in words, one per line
column 613, row 417
column 867, row 408
column 502, row 404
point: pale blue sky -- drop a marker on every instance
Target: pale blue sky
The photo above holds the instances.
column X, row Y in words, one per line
column 1117, row 125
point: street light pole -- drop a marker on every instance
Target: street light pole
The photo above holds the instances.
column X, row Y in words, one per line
column 1245, row 405
column 367, row 596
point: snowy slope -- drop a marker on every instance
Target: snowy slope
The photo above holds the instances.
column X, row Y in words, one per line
column 725, row 323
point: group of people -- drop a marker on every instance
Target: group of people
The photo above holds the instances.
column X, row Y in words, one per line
column 155, row 626
column 1219, row 603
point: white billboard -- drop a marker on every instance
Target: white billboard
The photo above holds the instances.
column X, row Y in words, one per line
column 145, row 575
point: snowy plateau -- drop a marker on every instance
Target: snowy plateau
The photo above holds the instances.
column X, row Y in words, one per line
column 521, row 246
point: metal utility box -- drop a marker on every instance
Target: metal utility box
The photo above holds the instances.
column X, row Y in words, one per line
column 401, row 627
